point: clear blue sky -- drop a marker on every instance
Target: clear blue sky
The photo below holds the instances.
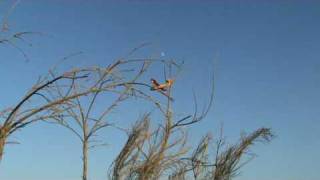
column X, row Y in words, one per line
column 265, row 56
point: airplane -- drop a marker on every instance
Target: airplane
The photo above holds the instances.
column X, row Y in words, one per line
column 162, row 87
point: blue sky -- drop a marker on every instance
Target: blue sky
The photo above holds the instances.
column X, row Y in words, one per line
column 265, row 56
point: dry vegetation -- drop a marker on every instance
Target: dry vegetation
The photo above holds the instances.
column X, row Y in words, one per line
column 163, row 152
column 149, row 153
column 152, row 151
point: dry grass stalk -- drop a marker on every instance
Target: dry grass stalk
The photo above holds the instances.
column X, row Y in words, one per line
column 41, row 103
column 10, row 38
column 79, row 115
column 162, row 152
column 228, row 162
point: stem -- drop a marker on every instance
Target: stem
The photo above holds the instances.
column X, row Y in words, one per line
column 85, row 142
column 85, row 160
column 2, row 143
column 3, row 138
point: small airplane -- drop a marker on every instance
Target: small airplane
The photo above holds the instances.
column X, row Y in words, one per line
column 162, row 87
